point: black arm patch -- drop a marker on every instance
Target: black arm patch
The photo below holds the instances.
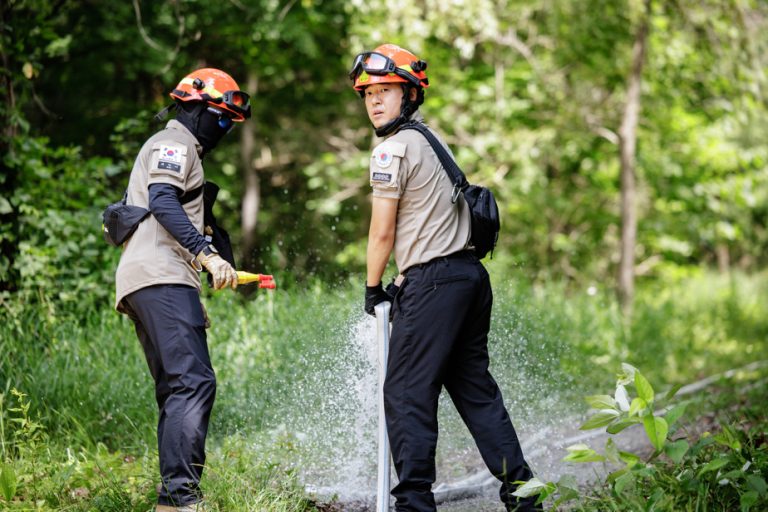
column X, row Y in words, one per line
column 169, row 166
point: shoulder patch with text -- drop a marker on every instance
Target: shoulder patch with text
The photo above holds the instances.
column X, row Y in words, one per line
column 385, row 164
column 381, row 176
column 168, row 159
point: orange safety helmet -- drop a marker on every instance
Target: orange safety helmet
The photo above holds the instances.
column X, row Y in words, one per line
column 388, row 64
column 218, row 89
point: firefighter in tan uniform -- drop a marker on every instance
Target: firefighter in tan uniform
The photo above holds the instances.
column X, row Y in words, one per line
column 158, row 281
column 442, row 298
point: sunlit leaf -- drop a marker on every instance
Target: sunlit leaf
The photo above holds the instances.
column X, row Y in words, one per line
column 622, row 424
column 530, row 488
column 629, row 458
column 5, row 206
column 582, row 453
column 638, row 405
column 643, row 387
column 627, row 376
column 714, row 465
column 602, row 418
column 656, row 429
column 601, row 402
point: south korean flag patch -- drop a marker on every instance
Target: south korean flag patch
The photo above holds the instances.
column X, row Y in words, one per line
column 170, row 158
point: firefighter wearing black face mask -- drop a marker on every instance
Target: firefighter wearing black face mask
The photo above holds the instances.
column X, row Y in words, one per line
column 158, row 281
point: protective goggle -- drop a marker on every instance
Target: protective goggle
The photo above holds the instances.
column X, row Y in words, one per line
column 375, row 63
column 237, row 101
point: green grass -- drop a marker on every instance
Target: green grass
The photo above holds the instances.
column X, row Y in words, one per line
column 89, row 391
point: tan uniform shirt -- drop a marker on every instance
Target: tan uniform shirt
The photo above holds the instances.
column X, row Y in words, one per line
column 152, row 256
column 405, row 167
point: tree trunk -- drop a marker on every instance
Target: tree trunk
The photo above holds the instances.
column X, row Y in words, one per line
column 723, row 258
column 627, row 150
column 252, row 189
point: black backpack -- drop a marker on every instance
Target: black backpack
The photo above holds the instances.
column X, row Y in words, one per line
column 482, row 204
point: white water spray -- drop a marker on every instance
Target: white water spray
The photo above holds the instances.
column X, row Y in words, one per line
column 331, row 415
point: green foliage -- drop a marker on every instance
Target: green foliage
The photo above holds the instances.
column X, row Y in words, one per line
column 8, row 481
column 22, row 434
column 543, row 338
column 722, row 471
column 60, row 256
column 528, row 94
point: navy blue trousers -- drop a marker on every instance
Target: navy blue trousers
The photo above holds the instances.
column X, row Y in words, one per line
column 170, row 325
column 440, row 324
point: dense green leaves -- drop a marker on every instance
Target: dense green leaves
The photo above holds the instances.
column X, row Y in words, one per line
column 528, row 94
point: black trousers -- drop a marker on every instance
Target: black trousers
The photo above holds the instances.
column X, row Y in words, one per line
column 441, row 318
column 170, row 325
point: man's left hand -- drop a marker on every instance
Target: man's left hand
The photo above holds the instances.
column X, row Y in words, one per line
column 375, row 295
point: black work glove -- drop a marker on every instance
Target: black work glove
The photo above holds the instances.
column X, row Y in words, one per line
column 392, row 289
column 375, row 295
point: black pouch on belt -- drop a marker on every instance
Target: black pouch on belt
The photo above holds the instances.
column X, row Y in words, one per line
column 120, row 220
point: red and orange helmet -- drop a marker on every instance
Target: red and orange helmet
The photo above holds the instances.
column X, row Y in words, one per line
column 218, row 89
column 388, row 64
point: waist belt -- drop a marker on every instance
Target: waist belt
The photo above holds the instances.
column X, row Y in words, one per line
column 463, row 254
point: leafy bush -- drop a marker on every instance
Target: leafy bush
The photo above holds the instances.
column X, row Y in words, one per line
column 722, row 471
column 60, row 257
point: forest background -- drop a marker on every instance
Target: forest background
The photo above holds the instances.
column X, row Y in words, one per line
column 532, row 97
column 625, row 141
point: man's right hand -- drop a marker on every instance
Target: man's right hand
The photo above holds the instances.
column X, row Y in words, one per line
column 221, row 271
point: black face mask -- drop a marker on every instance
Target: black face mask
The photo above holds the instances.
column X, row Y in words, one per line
column 204, row 124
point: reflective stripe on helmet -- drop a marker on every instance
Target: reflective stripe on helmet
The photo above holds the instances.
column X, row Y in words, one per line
column 211, row 91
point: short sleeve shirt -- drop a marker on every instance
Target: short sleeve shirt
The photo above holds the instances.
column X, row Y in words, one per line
column 429, row 225
column 151, row 256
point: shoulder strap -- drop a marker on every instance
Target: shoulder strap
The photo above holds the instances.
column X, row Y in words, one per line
column 191, row 195
column 451, row 167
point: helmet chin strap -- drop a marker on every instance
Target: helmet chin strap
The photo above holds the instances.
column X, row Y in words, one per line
column 407, row 108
